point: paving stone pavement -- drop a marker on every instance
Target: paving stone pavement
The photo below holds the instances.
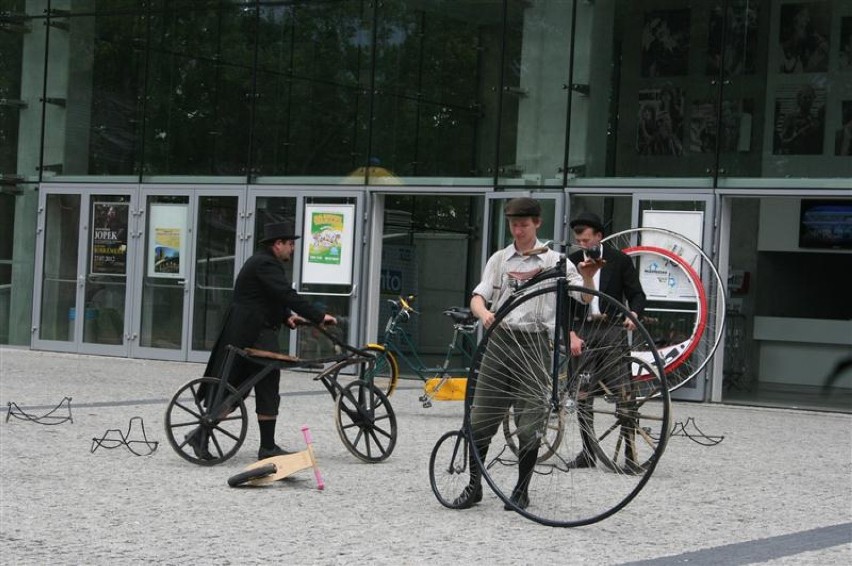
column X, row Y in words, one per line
column 776, row 490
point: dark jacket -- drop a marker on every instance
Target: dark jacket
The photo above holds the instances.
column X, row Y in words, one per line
column 263, row 299
column 618, row 279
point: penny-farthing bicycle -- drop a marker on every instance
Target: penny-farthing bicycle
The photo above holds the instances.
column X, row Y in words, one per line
column 684, row 314
column 213, row 410
column 549, row 389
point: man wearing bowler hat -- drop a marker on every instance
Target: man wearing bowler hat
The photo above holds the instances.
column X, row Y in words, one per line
column 263, row 300
column 504, row 371
column 619, row 279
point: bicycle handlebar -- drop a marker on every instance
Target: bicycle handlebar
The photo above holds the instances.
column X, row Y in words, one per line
column 337, row 341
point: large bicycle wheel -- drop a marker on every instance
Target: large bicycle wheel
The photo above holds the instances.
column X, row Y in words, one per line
column 670, row 320
column 365, row 421
column 449, row 469
column 199, row 436
column 517, row 356
column 384, row 374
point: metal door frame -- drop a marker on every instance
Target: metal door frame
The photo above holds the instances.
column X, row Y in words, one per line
column 137, row 351
column 85, row 193
column 242, row 229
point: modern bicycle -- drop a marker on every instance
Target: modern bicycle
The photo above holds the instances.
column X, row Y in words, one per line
column 397, row 345
column 630, row 404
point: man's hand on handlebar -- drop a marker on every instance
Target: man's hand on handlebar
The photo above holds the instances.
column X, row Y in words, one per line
column 295, row 320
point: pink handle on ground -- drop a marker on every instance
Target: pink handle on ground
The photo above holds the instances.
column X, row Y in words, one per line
column 310, row 442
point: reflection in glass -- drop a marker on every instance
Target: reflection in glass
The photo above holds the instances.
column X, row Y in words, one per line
column 312, row 108
column 215, row 244
column 427, row 108
column 199, row 89
column 106, row 277
column 59, row 277
column 738, row 24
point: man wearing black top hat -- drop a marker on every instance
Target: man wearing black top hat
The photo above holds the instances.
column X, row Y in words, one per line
column 263, row 299
column 617, row 278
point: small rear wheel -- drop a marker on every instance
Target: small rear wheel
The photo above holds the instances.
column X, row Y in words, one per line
column 449, row 469
column 254, row 474
column 197, row 435
column 365, row 421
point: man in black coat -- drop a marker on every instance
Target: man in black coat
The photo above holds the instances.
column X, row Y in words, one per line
column 619, row 279
column 263, row 299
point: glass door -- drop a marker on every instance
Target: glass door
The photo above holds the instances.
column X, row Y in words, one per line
column 220, row 229
column 57, row 283
column 162, row 291
column 84, row 261
column 326, row 267
column 677, row 307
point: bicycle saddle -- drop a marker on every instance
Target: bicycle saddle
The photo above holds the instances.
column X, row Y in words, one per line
column 460, row 315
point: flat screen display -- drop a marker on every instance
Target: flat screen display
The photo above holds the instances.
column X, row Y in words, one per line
column 825, row 223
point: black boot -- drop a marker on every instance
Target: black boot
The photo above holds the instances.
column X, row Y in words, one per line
column 472, row 494
column 586, row 458
column 198, row 440
column 526, row 467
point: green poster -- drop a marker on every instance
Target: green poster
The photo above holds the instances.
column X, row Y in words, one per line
column 326, row 236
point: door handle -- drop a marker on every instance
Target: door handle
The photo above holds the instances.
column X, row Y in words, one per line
column 349, row 294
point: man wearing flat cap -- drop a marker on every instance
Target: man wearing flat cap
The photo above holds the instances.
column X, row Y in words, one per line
column 619, row 279
column 505, row 370
column 263, row 300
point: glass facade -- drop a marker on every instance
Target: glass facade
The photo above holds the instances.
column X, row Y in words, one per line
column 465, row 91
column 409, row 99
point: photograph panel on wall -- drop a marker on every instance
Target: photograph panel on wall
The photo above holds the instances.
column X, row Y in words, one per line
column 660, row 127
column 844, row 58
column 665, row 43
column 799, row 120
column 740, row 41
column 843, row 134
column 803, row 37
column 736, row 126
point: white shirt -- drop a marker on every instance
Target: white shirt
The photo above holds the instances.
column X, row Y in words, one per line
column 506, row 269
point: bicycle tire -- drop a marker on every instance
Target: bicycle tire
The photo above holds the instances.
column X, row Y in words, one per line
column 449, row 469
column 685, row 355
column 384, row 374
column 714, row 287
column 365, row 421
column 247, row 476
column 187, row 414
column 560, row 495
